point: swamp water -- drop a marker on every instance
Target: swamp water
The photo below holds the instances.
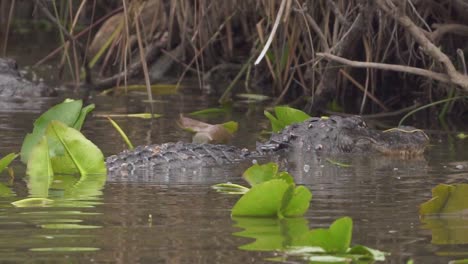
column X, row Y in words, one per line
column 175, row 219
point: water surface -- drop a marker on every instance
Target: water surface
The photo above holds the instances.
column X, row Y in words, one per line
column 181, row 220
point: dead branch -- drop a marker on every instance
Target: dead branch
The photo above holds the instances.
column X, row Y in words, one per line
column 389, row 67
column 426, row 44
column 442, row 29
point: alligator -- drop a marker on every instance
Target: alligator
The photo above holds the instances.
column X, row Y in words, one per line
column 12, row 84
column 321, row 136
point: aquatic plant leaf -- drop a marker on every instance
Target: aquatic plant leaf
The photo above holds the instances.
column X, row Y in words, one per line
column 65, row 249
column 285, row 116
column 335, row 239
column 33, row 202
column 262, row 200
column 337, row 163
column 322, row 259
column 67, row 112
column 446, row 199
column 136, row 115
column 285, row 177
column 5, row 161
column 253, row 97
column 272, row 233
column 81, row 118
column 121, row 132
column 39, row 170
column 290, row 115
column 230, row 188
column 158, row 89
column 276, row 125
column 366, row 252
column 87, row 187
column 299, row 202
column 231, row 126
column 207, row 133
column 69, row 226
column 86, row 157
column 5, row 191
column 209, row 112
column 256, row 173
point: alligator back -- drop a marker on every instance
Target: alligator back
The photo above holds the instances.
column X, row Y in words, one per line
column 174, row 156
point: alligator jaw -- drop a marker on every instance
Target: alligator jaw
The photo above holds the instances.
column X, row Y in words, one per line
column 405, row 142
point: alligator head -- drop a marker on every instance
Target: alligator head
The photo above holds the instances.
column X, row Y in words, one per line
column 349, row 135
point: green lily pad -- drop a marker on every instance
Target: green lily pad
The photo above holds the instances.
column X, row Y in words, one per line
column 366, row 252
column 262, row 200
column 69, row 112
column 299, row 202
column 5, row 161
column 5, row 191
column 82, row 116
column 256, row 173
column 39, row 170
column 33, row 202
column 285, row 116
column 272, row 233
column 335, row 239
column 85, row 156
column 446, row 199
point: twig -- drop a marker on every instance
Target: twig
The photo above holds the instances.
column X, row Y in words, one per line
column 442, row 29
column 430, row 49
column 390, row 67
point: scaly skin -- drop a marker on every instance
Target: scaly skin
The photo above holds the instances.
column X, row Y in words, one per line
column 334, row 135
column 13, row 85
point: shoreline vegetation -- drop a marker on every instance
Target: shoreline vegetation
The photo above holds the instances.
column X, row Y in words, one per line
column 365, row 56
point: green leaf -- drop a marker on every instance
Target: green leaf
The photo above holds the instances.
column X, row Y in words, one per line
column 253, row 97
column 5, row 161
column 86, row 157
column 230, row 188
column 136, row 115
column 285, row 116
column 272, row 233
column 339, row 164
column 121, row 132
column 39, row 170
column 209, row 112
column 446, row 199
column 33, row 202
column 299, row 202
column 263, row 200
column 67, row 112
column 290, row 115
column 462, row 136
column 260, row 173
column 336, row 239
column 285, row 177
column 231, row 126
column 367, row 252
column 81, row 118
column 276, row 125
column 5, row 191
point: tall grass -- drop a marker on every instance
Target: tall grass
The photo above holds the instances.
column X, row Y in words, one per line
column 199, row 36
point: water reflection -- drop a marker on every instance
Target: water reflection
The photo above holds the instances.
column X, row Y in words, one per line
column 176, row 217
